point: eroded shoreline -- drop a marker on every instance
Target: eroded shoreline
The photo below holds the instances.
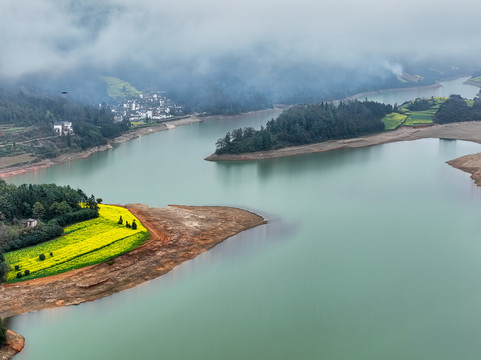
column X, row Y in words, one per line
column 178, row 233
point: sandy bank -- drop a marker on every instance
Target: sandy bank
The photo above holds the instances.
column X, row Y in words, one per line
column 470, row 131
column 178, row 234
column 470, row 164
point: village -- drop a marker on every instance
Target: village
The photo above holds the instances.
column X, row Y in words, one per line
column 148, row 106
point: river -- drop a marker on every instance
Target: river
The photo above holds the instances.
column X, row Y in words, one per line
column 443, row 89
column 370, row 253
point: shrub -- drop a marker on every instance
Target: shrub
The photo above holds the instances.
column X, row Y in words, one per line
column 19, row 275
column 3, row 333
column 120, row 220
column 27, row 272
column 41, row 257
column 17, row 267
column 134, row 225
column 51, row 254
column 76, row 216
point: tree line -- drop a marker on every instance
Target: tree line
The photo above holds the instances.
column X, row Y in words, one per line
column 306, row 124
column 457, row 109
column 52, row 206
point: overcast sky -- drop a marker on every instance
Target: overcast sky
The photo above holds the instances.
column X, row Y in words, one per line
column 59, row 35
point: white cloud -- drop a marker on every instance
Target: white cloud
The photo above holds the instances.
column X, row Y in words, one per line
column 58, row 35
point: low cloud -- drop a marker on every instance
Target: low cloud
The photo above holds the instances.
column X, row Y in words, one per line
column 58, row 36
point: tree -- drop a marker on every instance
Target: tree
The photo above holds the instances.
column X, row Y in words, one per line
column 38, row 210
column 3, row 267
column 134, row 225
column 91, row 203
column 3, row 332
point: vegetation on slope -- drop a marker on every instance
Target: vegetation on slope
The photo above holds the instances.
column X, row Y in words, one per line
column 27, row 133
column 117, row 88
column 306, row 124
column 51, row 207
column 413, row 113
column 3, row 333
column 457, row 109
column 85, row 243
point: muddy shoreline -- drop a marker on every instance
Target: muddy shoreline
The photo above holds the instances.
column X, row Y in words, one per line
column 177, row 234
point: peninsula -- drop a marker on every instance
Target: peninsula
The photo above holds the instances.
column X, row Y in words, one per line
column 177, row 234
column 469, row 131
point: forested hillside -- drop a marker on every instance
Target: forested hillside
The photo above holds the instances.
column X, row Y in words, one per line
column 306, row 124
column 27, row 125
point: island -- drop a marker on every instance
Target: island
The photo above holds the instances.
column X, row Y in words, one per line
column 177, row 233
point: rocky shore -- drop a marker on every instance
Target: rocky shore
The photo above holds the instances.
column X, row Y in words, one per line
column 15, row 343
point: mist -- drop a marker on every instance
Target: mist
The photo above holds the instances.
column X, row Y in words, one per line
column 276, row 49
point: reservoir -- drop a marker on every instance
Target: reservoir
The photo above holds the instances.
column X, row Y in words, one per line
column 442, row 89
column 370, row 253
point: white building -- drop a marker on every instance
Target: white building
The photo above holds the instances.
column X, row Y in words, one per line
column 63, row 128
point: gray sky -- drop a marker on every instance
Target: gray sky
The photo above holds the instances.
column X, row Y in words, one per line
column 61, row 35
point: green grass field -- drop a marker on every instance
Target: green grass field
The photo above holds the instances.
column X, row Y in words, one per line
column 420, row 117
column 86, row 243
column 477, row 79
column 393, row 120
column 406, row 117
column 119, row 88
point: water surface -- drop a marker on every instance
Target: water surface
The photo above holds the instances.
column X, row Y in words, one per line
column 369, row 253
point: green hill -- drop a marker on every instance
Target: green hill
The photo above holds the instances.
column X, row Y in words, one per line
column 118, row 88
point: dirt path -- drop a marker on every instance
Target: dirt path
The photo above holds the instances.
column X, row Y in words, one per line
column 178, row 234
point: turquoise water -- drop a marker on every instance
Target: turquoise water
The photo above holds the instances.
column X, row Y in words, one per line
column 369, row 253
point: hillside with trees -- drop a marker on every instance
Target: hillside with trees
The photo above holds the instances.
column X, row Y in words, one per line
column 27, row 125
column 457, row 109
column 306, row 124
column 31, row 214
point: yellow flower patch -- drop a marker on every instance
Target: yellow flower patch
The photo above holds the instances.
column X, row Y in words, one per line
column 83, row 244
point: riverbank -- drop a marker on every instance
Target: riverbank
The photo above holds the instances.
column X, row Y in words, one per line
column 178, row 234
column 469, row 131
column 129, row 135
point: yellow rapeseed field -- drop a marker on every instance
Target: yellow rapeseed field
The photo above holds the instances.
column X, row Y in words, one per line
column 83, row 244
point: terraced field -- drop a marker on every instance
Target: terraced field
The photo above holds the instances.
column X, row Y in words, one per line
column 406, row 117
column 83, row 244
